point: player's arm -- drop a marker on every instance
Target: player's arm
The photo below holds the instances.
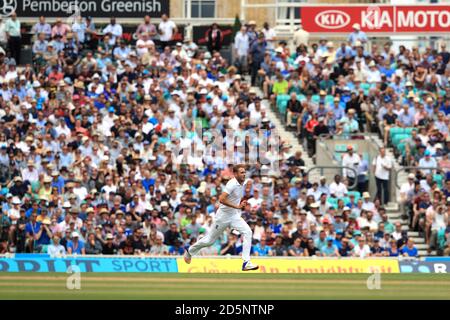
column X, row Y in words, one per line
column 223, row 199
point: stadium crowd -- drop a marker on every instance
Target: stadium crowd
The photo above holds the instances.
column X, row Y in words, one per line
column 88, row 129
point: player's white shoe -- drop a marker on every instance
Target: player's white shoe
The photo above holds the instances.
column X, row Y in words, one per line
column 187, row 257
column 249, row 266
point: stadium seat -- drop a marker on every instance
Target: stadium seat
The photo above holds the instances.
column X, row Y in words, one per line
column 365, row 86
column 346, row 200
column 410, row 130
column 282, row 101
column 315, row 98
column 439, row 180
column 401, row 147
column 394, row 131
column 301, row 97
column 355, row 193
column 343, row 147
column 332, row 201
column 398, row 138
column 366, row 157
column 340, row 148
column 329, row 99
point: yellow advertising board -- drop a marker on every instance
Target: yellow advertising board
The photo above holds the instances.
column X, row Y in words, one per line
column 224, row 265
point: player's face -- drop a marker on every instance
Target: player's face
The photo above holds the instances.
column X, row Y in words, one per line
column 240, row 175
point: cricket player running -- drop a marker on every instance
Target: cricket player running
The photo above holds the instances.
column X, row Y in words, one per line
column 229, row 215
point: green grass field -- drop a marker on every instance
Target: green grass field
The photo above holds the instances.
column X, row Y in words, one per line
column 223, row 286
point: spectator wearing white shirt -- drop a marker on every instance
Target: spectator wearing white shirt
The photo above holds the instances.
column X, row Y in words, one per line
column 269, row 35
column 144, row 45
column 373, row 75
column 256, row 114
column 337, row 188
column 114, row 30
column 382, row 165
column 55, row 249
column 30, row 173
column 241, row 47
column 3, row 37
column 406, row 187
column 436, row 221
column 179, row 53
column 361, row 250
column 367, row 204
column 351, row 160
column 14, row 35
column 167, row 29
column 301, row 36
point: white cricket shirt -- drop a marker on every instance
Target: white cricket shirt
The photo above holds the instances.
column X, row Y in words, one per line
column 235, row 193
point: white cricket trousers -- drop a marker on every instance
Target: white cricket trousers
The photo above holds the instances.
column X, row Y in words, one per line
column 223, row 221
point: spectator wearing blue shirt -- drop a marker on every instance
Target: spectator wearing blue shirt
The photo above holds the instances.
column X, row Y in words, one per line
column 344, row 52
column 65, row 157
column 177, row 249
column 210, row 170
column 75, row 246
column 409, row 250
column 446, row 107
column 43, row 236
column 330, row 250
column 357, row 35
column 34, row 209
column 121, row 52
column 397, row 86
column 32, row 228
column 406, row 118
column 276, row 225
column 58, row 181
column 262, row 249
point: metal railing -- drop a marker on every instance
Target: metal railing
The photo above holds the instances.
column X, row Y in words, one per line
column 396, row 172
column 355, row 183
column 345, row 136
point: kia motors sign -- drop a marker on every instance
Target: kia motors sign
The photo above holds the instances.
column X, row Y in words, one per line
column 94, row 8
column 377, row 18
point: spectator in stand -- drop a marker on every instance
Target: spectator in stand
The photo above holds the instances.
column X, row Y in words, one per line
column 3, row 36
column 146, row 27
column 56, row 249
column 337, row 188
column 42, row 27
column 382, row 166
column 329, row 250
column 241, row 47
column 214, row 38
column 351, row 160
column 14, row 36
column 409, row 250
column 60, row 29
column 114, row 31
column 270, row 36
column 262, row 249
column 167, row 30
column 76, row 246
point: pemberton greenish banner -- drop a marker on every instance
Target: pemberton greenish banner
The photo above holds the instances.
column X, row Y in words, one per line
column 93, row 8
